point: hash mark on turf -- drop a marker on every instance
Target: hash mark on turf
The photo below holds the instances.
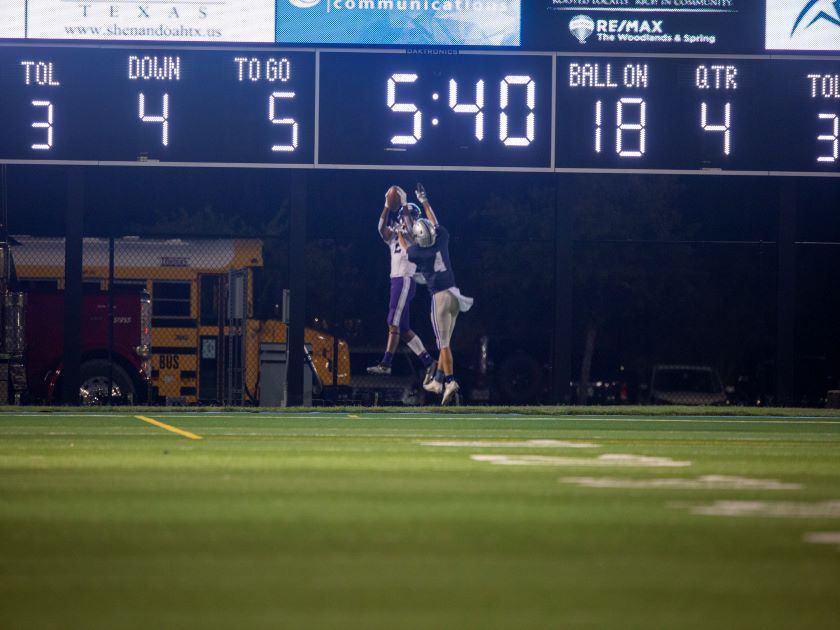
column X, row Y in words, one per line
column 706, row 482
column 512, row 444
column 775, row 509
column 610, row 459
column 823, row 538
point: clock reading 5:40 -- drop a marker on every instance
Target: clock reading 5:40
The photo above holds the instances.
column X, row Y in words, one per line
column 511, row 86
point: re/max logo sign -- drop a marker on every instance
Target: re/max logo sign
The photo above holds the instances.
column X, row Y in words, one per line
column 628, row 26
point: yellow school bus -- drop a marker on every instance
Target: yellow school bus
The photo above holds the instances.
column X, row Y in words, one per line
column 206, row 339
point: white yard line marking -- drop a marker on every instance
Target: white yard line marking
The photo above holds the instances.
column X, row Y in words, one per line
column 706, row 482
column 823, row 538
column 773, row 509
column 607, row 460
column 511, row 444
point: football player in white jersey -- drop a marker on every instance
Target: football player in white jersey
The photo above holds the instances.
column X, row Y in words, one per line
column 427, row 245
column 403, row 288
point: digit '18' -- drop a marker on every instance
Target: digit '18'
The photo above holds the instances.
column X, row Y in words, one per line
column 630, row 127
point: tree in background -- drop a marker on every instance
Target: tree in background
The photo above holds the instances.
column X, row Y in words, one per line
column 613, row 280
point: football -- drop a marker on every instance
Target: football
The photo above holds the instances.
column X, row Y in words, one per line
column 393, row 198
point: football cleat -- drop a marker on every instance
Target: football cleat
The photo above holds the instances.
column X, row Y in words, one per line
column 449, row 391
column 430, row 373
column 435, row 387
column 379, row 368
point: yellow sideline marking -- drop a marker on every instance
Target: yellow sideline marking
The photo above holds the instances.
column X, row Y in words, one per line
column 163, row 425
column 353, row 416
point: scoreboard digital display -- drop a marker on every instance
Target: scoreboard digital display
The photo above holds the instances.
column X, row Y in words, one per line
column 387, row 109
column 698, row 113
column 459, row 110
column 663, row 113
column 158, row 105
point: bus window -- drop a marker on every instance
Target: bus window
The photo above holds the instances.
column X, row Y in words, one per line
column 37, row 285
column 129, row 286
column 209, row 300
column 170, row 299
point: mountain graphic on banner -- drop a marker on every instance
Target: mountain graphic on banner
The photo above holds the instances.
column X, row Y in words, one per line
column 820, row 10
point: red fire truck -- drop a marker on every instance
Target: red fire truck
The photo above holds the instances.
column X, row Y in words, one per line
column 125, row 364
column 33, row 342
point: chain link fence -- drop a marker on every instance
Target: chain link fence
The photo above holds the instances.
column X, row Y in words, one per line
column 674, row 294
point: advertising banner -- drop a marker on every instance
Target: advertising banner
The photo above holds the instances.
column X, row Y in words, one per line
column 12, row 19
column 410, row 22
column 175, row 21
column 674, row 26
column 803, row 25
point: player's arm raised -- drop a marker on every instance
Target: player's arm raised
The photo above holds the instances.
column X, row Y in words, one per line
column 384, row 231
column 395, row 198
column 423, row 198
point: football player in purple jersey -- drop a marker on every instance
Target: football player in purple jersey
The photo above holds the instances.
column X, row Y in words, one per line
column 429, row 250
column 403, row 288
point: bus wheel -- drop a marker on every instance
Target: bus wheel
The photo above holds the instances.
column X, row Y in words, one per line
column 94, row 384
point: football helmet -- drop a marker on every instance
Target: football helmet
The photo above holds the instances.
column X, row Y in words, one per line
column 413, row 211
column 396, row 218
column 424, row 233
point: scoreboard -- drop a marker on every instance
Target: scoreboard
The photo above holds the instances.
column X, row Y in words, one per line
column 374, row 108
column 696, row 113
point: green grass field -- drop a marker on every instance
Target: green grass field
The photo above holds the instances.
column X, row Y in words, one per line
column 350, row 520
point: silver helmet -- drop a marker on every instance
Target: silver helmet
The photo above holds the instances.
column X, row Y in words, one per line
column 424, row 233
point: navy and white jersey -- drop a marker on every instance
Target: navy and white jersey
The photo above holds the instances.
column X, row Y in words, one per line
column 433, row 262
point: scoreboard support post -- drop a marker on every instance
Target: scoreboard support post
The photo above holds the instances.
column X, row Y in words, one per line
column 297, row 287
column 561, row 350
column 786, row 324
column 71, row 369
